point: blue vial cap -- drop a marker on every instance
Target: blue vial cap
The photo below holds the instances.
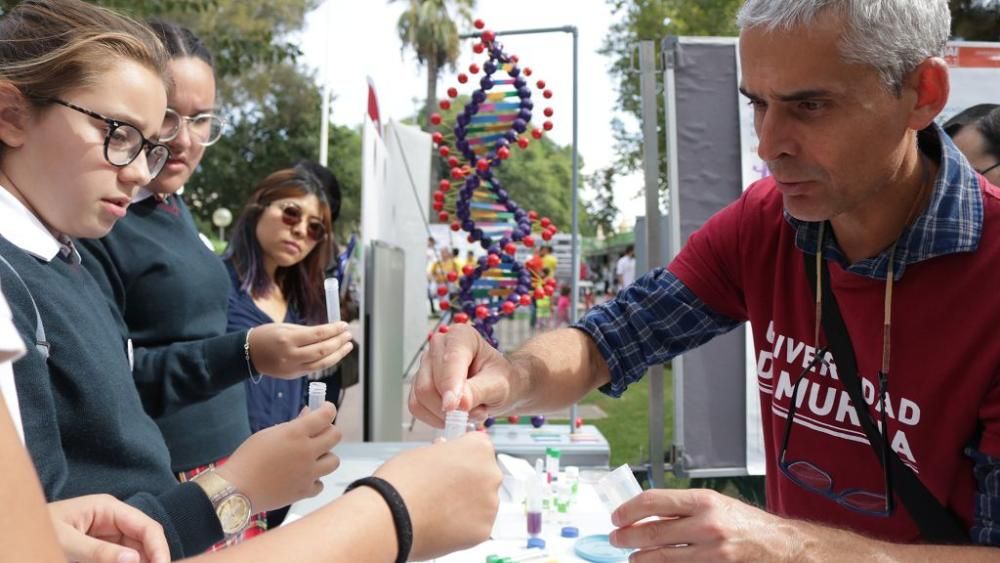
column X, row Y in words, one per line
column 570, row 532
column 536, row 542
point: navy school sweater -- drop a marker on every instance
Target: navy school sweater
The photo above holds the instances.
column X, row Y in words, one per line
column 173, row 294
column 84, row 425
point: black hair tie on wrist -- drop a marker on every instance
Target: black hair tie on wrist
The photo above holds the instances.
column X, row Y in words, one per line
column 400, row 516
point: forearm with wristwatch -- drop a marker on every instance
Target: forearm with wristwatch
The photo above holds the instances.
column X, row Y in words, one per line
column 231, row 505
column 234, row 508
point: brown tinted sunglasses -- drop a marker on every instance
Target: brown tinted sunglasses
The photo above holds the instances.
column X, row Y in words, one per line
column 291, row 215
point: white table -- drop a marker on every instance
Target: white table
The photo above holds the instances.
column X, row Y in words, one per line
column 509, row 536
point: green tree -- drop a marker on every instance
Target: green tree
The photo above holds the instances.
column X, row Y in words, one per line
column 428, row 27
column 642, row 20
column 600, row 206
column 975, row 20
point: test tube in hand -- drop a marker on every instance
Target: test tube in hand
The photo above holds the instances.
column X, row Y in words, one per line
column 455, row 424
column 617, row 487
column 332, row 288
column 317, row 395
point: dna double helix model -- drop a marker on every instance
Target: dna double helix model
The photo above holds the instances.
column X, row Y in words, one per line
column 494, row 122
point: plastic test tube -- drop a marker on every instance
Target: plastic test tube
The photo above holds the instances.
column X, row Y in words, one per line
column 455, row 424
column 552, row 456
column 617, row 487
column 533, row 504
column 332, row 289
column 317, row 394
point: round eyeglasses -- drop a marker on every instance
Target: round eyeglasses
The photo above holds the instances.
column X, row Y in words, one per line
column 123, row 141
column 204, row 128
column 292, row 214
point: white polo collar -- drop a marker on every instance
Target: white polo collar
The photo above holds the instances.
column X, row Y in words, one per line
column 143, row 194
column 24, row 230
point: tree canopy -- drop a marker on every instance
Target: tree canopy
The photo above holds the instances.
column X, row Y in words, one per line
column 973, row 20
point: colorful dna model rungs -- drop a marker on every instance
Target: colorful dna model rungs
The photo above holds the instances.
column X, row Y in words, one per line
column 496, row 118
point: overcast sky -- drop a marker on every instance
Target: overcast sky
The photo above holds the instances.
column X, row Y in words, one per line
column 347, row 40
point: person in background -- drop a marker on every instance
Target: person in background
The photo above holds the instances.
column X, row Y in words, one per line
column 431, row 258
column 967, row 116
column 549, row 259
column 82, row 92
column 562, row 306
column 172, row 293
column 625, row 268
column 276, row 258
column 979, row 141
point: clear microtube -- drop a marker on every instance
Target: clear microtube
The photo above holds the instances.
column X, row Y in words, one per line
column 317, row 394
column 332, row 288
column 455, row 424
column 617, row 487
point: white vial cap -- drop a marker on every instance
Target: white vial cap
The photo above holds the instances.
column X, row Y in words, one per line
column 617, row 487
column 572, row 472
column 455, row 424
column 317, row 394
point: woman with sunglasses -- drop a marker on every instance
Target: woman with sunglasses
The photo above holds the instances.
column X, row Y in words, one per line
column 173, row 292
column 277, row 254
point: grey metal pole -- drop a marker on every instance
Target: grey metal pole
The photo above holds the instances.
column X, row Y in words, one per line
column 575, row 240
column 574, row 188
column 654, row 257
column 669, row 49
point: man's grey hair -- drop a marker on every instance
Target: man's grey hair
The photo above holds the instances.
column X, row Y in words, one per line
column 893, row 36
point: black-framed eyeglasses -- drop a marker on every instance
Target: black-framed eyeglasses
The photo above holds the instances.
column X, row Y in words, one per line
column 205, row 128
column 123, row 142
column 292, row 214
column 807, row 475
column 983, row 172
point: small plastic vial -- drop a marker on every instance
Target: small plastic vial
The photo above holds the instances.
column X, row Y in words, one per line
column 332, row 289
column 552, row 456
column 533, row 505
column 317, row 395
column 455, row 424
column 617, row 487
column 572, row 474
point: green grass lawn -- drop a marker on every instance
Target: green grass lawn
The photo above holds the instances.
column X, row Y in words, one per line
column 626, row 429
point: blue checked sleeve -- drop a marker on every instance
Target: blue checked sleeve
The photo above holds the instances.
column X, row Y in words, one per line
column 648, row 323
column 986, row 526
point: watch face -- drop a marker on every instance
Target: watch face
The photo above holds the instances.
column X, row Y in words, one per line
column 234, row 513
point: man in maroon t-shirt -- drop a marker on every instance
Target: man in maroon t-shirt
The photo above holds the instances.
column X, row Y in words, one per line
column 845, row 95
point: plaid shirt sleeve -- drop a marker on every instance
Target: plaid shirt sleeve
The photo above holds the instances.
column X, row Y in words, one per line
column 986, row 526
column 648, row 323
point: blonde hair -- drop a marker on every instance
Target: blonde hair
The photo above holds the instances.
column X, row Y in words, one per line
column 48, row 47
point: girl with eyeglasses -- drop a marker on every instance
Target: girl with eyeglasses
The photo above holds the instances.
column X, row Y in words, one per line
column 278, row 251
column 172, row 292
column 82, row 93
